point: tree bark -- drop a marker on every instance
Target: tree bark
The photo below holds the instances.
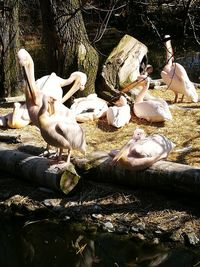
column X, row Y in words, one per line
column 163, row 175
column 9, row 45
column 38, row 170
column 67, row 41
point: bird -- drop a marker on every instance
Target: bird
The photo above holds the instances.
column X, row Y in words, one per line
column 16, row 119
column 89, row 108
column 120, row 114
column 152, row 109
column 142, row 151
column 52, row 84
column 175, row 76
column 60, row 132
column 138, row 134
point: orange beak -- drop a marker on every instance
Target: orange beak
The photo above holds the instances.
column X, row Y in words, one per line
column 76, row 86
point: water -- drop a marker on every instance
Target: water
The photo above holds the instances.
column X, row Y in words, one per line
column 48, row 243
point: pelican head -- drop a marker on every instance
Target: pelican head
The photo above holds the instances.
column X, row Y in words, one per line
column 80, row 80
column 82, row 77
column 121, row 102
column 138, row 134
column 24, row 57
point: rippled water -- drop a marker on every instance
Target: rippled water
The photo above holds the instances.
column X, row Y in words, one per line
column 49, row 243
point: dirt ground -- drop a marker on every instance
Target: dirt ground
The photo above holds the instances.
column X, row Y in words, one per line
column 152, row 215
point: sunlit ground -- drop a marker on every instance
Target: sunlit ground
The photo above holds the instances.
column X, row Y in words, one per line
column 183, row 130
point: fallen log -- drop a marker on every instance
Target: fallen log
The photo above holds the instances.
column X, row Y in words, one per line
column 12, row 99
column 10, row 138
column 38, row 170
column 163, row 175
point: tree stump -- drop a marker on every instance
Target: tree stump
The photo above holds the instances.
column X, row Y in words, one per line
column 122, row 67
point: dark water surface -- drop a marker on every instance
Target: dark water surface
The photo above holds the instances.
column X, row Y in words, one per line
column 48, row 243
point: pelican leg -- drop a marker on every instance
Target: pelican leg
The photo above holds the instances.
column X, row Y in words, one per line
column 68, row 157
column 176, row 98
column 60, row 154
column 182, row 98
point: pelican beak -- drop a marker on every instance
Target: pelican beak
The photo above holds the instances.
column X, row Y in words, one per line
column 76, row 86
column 122, row 152
column 133, row 85
column 30, row 90
column 51, row 107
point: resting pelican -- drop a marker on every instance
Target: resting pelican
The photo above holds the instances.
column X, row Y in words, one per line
column 89, row 108
column 153, row 109
column 51, row 87
column 175, row 76
column 140, row 153
column 120, row 114
column 17, row 119
column 60, row 132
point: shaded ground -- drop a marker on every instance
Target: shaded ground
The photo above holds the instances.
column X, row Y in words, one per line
column 156, row 216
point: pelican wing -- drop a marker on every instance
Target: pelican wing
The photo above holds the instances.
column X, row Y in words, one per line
column 73, row 133
column 153, row 145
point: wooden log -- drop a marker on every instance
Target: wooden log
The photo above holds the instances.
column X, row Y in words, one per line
column 163, row 175
column 13, row 99
column 10, row 138
column 38, row 170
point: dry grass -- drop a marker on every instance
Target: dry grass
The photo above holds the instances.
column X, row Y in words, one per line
column 183, row 130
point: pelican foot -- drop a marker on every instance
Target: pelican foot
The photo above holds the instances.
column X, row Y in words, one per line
column 48, row 154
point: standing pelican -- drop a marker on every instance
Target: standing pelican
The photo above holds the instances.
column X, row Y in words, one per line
column 153, row 109
column 140, row 153
column 175, row 76
column 60, row 132
column 120, row 114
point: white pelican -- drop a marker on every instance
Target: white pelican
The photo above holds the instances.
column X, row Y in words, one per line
column 17, row 119
column 153, row 109
column 175, row 76
column 140, row 153
column 120, row 114
column 89, row 108
column 60, row 132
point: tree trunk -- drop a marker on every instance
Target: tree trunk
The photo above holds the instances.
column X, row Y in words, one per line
column 67, row 41
column 9, row 45
column 38, row 170
column 163, row 175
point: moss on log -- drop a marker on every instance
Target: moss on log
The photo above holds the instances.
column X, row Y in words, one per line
column 163, row 175
column 38, row 170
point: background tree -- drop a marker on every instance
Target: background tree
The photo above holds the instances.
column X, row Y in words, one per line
column 9, row 44
column 67, row 44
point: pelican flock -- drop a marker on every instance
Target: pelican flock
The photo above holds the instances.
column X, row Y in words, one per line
column 39, row 109
column 60, row 126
